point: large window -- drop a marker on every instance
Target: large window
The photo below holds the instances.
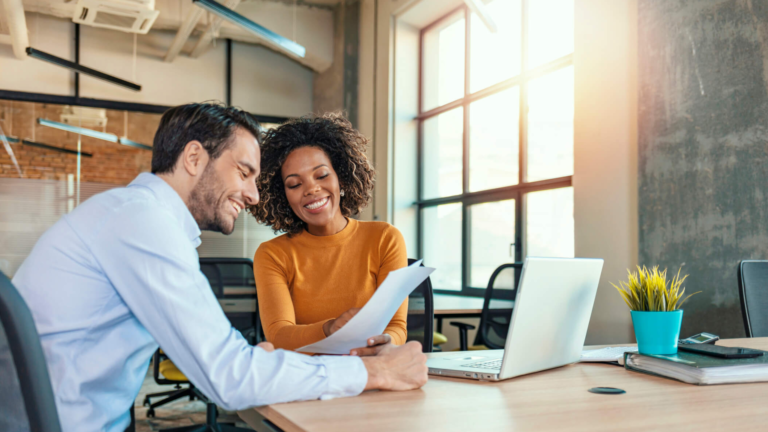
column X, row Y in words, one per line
column 495, row 140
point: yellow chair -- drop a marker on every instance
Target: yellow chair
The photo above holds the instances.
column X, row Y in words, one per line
column 438, row 339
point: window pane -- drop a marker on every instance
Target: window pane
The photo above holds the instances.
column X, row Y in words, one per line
column 443, row 67
column 493, row 237
column 442, row 156
column 550, row 30
column 494, row 141
column 441, row 244
column 549, row 223
column 495, row 57
column 550, row 126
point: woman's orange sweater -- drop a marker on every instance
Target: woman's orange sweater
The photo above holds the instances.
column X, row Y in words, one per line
column 305, row 280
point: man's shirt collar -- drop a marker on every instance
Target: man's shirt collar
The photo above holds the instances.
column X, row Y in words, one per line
column 168, row 196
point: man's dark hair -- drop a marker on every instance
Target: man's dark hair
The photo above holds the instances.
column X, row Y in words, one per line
column 212, row 124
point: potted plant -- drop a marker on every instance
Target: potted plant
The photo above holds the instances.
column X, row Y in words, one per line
column 655, row 304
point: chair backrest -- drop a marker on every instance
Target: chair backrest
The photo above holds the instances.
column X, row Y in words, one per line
column 753, row 292
column 497, row 305
column 421, row 314
column 233, row 284
column 23, row 370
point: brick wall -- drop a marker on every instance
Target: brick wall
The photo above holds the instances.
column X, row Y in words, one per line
column 111, row 163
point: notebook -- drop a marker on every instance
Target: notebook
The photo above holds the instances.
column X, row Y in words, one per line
column 606, row 355
column 699, row 369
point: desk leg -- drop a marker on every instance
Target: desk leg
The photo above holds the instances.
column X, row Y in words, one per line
column 439, row 324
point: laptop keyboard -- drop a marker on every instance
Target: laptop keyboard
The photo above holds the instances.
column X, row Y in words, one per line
column 490, row 364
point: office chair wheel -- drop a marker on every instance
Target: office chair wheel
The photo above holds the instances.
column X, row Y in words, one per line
column 150, row 413
column 146, row 402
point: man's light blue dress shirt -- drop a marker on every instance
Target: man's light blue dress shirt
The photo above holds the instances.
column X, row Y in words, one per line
column 120, row 275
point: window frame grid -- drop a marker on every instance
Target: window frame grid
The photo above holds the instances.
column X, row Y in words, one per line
column 517, row 192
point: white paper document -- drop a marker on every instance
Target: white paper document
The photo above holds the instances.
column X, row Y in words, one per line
column 375, row 315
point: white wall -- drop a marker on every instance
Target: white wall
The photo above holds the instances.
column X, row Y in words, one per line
column 605, row 160
column 405, row 134
column 48, row 34
column 182, row 81
column 264, row 82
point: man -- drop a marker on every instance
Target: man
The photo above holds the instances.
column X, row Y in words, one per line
column 120, row 275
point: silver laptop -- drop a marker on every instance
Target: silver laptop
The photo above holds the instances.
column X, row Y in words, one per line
column 548, row 326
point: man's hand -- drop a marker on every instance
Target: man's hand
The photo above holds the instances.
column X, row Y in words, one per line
column 376, row 345
column 332, row 326
column 397, row 368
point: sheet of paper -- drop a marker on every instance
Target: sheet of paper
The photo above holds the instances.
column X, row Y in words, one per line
column 376, row 314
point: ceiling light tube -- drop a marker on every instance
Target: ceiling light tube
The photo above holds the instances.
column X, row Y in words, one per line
column 106, row 136
column 78, row 130
column 127, row 142
column 58, row 61
column 228, row 14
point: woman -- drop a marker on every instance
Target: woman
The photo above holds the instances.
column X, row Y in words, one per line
column 315, row 277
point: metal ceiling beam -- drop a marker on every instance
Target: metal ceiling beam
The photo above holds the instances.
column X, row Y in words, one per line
column 17, row 25
column 183, row 34
column 208, row 35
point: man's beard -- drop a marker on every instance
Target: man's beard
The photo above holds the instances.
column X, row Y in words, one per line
column 205, row 207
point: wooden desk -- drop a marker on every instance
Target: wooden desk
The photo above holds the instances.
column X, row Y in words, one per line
column 451, row 306
column 546, row 401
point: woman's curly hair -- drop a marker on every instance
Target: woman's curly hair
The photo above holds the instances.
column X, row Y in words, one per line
column 343, row 145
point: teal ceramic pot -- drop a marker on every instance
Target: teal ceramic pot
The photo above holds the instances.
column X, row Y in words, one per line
column 657, row 332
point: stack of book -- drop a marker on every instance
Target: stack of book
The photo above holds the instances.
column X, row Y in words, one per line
column 699, row 369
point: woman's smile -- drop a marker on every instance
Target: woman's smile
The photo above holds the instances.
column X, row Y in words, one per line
column 317, row 205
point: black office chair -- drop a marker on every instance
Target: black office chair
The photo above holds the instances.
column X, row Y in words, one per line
column 421, row 314
column 232, row 282
column 753, row 292
column 26, row 399
column 497, row 312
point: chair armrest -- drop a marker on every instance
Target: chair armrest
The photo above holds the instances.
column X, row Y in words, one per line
column 463, row 328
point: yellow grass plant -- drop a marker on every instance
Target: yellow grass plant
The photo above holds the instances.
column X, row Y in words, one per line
column 650, row 291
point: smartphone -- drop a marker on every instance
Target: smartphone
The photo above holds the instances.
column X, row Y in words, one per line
column 721, row 351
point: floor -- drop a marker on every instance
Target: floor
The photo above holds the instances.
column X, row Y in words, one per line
column 182, row 412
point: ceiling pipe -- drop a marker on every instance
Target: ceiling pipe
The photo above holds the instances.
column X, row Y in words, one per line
column 17, row 25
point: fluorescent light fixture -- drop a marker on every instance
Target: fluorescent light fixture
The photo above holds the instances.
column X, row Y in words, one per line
column 92, row 133
column 41, row 145
column 235, row 18
column 126, row 141
column 58, row 61
column 78, row 130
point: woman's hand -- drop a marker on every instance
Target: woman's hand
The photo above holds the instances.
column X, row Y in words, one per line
column 376, row 345
column 332, row 326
